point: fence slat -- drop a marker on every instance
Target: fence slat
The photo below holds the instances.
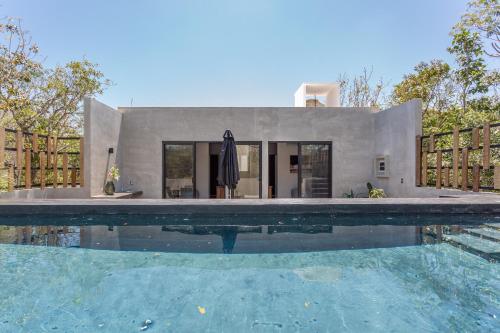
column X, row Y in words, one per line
column 54, row 170
column 465, row 169
column 10, row 178
column 456, row 155
column 475, row 138
column 2, row 147
column 432, row 143
column 65, row 170
column 476, row 174
column 424, row 168
column 486, row 146
column 27, row 168
column 439, row 161
column 73, row 176
column 496, row 178
column 34, row 143
column 49, row 150
column 43, row 163
column 82, row 164
column 19, row 152
column 446, row 182
column 54, row 148
column 418, row 160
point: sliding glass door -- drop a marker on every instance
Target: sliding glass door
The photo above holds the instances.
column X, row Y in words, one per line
column 249, row 186
column 315, row 170
column 179, row 170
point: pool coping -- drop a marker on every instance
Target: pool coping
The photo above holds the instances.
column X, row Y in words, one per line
column 360, row 206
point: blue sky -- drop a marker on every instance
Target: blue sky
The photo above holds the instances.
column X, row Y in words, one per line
column 235, row 52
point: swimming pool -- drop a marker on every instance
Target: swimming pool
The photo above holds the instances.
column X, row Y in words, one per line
column 294, row 274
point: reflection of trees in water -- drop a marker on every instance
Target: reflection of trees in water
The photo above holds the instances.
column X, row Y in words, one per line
column 65, row 236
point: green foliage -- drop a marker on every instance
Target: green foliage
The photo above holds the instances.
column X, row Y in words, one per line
column 36, row 98
column 432, row 82
column 375, row 193
column 4, row 181
column 349, row 195
column 114, row 173
column 483, row 17
column 471, row 72
column 465, row 96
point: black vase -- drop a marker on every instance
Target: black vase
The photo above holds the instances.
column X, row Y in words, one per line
column 109, row 188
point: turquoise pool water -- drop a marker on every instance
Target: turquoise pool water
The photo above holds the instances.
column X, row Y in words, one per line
column 295, row 274
column 414, row 288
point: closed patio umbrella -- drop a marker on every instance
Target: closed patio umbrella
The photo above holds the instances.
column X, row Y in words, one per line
column 228, row 172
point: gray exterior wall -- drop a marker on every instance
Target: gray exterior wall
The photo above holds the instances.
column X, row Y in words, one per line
column 102, row 131
column 357, row 136
column 396, row 129
column 47, row 193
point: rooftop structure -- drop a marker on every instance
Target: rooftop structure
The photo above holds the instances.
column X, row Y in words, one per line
column 308, row 94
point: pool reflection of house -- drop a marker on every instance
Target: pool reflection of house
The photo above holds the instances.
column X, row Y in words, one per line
column 215, row 238
column 247, row 239
column 313, row 150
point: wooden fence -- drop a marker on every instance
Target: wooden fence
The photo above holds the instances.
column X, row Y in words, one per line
column 463, row 158
column 30, row 160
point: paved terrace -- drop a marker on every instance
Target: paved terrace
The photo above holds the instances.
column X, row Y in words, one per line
column 471, row 204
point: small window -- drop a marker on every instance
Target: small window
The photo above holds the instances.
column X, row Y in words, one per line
column 382, row 166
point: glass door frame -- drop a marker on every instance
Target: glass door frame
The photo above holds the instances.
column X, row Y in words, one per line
column 299, row 176
column 164, row 171
column 253, row 143
column 299, row 171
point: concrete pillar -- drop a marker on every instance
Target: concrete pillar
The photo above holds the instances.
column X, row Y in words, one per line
column 265, row 168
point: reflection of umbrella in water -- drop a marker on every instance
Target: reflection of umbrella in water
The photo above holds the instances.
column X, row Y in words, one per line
column 228, row 233
column 228, row 172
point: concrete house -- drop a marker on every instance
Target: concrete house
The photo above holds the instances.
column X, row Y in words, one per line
column 315, row 149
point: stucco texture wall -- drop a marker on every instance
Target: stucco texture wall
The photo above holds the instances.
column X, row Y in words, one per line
column 143, row 130
column 395, row 131
column 102, row 131
column 357, row 135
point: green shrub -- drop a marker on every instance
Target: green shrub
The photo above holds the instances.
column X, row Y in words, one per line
column 349, row 195
column 4, row 181
column 374, row 192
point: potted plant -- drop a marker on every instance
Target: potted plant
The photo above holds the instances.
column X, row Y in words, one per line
column 113, row 175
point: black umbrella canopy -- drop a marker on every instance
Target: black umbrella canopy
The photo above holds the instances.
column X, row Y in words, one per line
column 229, row 172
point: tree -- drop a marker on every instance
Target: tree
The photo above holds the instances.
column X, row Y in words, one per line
column 432, row 82
column 18, row 70
column 35, row 98
column 471, row 73
column 483, row 16
column 359, row 91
